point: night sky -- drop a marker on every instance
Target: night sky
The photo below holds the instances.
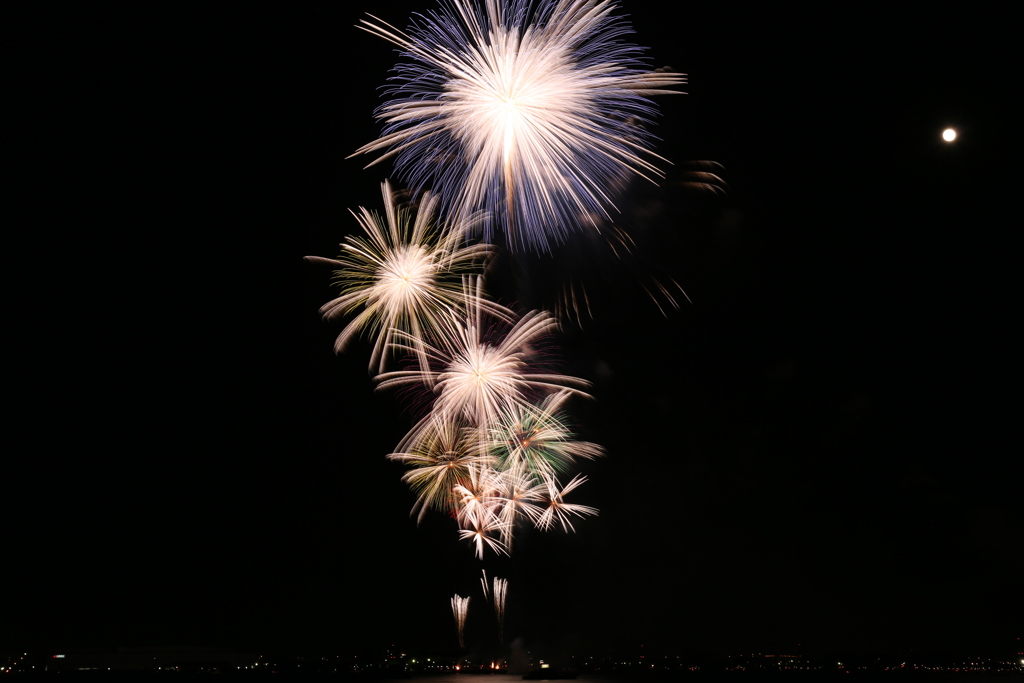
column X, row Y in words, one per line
column 817, row 454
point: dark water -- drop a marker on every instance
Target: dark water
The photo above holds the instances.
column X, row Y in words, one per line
column 757, row 677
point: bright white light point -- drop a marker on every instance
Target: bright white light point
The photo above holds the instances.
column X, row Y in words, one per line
column 949, row 135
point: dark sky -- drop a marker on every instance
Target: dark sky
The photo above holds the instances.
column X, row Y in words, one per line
column 817, row 453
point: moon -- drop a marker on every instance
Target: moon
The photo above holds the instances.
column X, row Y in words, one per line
column 949, row 135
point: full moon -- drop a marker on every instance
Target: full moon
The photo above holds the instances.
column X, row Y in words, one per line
column 949, row 135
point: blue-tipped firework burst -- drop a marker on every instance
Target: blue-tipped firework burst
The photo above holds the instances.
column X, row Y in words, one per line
column 530, row 111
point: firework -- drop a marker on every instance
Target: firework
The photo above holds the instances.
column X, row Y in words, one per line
column 536, row 440
column 558, row 510
column 528, row 110
column 445, row 456
column 484, row 375
column 460, row 606
column 492, row 467
column 521, row 498
column 405, row 275
column 481, row 500
column 500, row 591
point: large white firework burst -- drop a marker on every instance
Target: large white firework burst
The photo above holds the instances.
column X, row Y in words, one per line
column 529, row 110
column 405, row 274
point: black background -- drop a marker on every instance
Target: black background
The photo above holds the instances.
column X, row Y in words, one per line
column 817, row 454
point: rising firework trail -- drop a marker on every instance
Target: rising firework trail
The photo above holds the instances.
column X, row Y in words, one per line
column 520, row 121
column 500, row 592
column 527, row 110
column 460, row 606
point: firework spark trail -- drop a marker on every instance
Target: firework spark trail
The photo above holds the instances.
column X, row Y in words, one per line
column 533, row 107
column 500, row 593
column 615, row 255
column 460, row 606
column 405, row 273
